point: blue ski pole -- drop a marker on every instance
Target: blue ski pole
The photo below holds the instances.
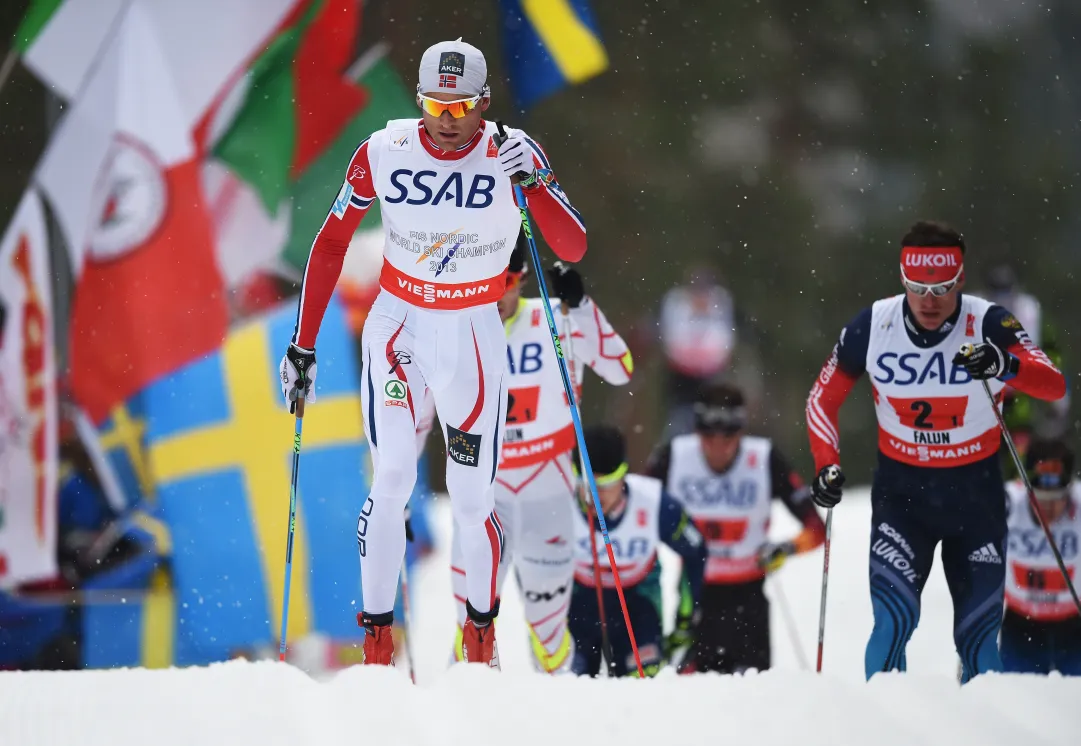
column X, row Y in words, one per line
column 292, row 516
column 523, row 209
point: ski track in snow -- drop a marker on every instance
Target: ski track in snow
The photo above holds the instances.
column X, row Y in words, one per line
column 267, row 703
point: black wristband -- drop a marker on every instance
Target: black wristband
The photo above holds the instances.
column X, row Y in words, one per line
column 530, row 183
column 1013, row 364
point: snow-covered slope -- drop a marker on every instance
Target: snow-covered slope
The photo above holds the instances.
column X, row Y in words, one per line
column 848, row 621
column 269, row 703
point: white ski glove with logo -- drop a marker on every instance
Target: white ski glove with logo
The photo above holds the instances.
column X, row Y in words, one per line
column 516, row 157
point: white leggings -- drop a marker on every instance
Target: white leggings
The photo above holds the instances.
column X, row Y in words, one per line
column 538, row 527
column 461, row 357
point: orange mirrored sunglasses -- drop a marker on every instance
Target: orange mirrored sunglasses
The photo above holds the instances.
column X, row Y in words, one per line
column 457, row 109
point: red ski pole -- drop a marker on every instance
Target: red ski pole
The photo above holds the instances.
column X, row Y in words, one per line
column 523, row 210
column 606, row 645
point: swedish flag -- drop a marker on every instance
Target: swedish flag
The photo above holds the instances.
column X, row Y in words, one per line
column 129, row 612
column 548, row 45
column 219, row 443
column 122, row 438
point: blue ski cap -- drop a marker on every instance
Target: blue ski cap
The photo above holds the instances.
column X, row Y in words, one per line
column 453, row 67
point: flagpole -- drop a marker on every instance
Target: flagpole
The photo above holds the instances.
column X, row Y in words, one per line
column 7, row 66
column 367, row 60
column 110, row 483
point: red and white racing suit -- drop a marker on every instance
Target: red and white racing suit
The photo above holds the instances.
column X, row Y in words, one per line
column 534, row 487
column 1035, row 588
column 450, row 223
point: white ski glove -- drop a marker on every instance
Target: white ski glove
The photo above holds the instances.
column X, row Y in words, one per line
column 297, row 365
column 516, row 157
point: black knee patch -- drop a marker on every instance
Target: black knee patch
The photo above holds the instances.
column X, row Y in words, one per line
column 482, row 618
column 377, row 620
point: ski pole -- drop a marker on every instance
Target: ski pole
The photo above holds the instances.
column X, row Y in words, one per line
column 301, row 388
column 407, row 626
column 523, row 209
column 966, row 350
column 606, row 644
column 831, row 476
column 789, row 622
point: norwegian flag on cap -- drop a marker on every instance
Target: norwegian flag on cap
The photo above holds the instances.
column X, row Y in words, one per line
column 448, row 81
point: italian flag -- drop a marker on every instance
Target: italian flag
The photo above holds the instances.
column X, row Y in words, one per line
column 282, row 139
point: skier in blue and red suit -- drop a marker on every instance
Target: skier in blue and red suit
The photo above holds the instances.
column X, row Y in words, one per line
column 938, row 477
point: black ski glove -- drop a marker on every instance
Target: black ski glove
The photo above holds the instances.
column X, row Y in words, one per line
column 985, row 360
column 297, row 370
column 567, row 284
column 826, row 488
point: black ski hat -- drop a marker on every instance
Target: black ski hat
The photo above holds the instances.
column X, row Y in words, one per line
column 1049, row 464
column 719, row 407
column 606, row 448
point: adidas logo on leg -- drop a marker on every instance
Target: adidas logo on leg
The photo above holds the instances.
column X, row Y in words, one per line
column 986, row 554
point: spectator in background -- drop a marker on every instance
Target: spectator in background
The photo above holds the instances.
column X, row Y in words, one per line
column 42, row 623
column 1026, row 417
column 697, row 330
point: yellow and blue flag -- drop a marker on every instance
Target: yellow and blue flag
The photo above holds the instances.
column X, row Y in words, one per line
column 548, row 45
column 219, row 442
column 129, row 609
column 122, row 439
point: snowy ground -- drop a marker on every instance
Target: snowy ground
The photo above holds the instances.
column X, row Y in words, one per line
column 269, row 703
column 799, row 582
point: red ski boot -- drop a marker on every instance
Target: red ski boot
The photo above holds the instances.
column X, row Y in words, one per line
column 478, row 636
column 378, row 638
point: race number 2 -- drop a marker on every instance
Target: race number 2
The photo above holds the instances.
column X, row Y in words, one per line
column 522, row 405
column 931, row 413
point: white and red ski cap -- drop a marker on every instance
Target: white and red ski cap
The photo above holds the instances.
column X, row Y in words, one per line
column 931, row 264
column 453, row 67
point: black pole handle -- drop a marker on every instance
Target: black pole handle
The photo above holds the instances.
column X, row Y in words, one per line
column 499, row 138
